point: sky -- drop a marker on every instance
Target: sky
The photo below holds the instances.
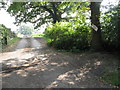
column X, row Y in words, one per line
column 8, row 20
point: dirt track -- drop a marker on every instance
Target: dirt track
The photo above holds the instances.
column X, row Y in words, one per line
column 34, row 65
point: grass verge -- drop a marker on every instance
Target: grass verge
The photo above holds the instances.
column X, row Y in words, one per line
column 13, row 40
column 38, row 35
column 112, row 78
column 11, row 44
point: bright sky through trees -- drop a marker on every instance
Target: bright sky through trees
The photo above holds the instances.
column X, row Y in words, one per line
column 8, row 20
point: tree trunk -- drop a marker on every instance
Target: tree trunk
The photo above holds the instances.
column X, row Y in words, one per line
column 56, row 14
column 96, row 43
column 56, row 18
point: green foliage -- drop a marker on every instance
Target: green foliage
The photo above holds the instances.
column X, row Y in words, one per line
column 25, row 30
column 36, row 12
column 71, row 33
column 68, row 35
column 38, row 35
column 112, row 78
column 5, row 35
column 44, row 12
column 111, row 29
column 13, row 40
column 6, row 32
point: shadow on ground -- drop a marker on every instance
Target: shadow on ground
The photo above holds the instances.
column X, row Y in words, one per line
column 51, row 69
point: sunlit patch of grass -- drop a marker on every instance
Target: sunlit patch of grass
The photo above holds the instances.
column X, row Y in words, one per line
column 38, row 35
column 13, row 40
column 112, row 78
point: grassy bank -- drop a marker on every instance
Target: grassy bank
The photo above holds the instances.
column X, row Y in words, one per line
column 38, row 35
column 11, row 43
column 13, row 40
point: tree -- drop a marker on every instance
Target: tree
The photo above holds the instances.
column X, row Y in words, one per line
column 40, row 13
column 2, row 4
column 111, row 27
column 36, row 12
column 25, row 30
column 96, row 43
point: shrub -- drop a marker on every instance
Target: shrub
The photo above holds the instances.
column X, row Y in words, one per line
column 68, row 36
column 110, row 32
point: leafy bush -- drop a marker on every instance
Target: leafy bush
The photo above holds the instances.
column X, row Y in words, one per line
column 5, row 34
column 68, row 35
column 111, row 33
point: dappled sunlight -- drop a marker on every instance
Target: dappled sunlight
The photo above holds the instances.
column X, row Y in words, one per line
column 68, row 78
column 27, row 62
column 55, row 72
column 63, row 63
column 44, row 68
column 22, row 73
column 5, row 74
column 97, row 63
column 44, row 58
column 59, row 64
column 76, row 76
column 21, row 58
column 14, row 57
column 53, row 84
column 59, row 44
column 27, row 56
column 19, row 54
column 54, row 63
